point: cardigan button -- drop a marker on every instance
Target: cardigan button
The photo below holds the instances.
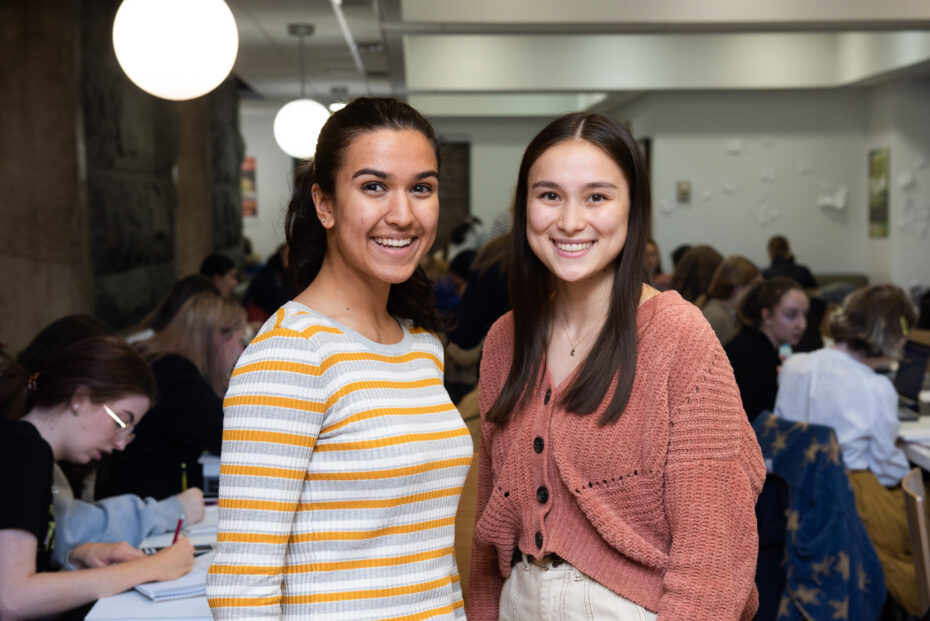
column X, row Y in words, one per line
column 539, row 539
column 547, row 397
column 542, row 494
column 538, row 444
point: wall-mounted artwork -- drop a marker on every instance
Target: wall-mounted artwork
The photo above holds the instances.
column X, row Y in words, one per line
column 249, row 196
column 879, row 175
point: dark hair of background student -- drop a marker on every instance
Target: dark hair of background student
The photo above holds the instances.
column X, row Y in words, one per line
column 531, row 286
column 306, row 238
column 764, row 295
column 106, row 366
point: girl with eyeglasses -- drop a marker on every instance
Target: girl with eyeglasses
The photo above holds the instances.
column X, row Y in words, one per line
column 82, row 405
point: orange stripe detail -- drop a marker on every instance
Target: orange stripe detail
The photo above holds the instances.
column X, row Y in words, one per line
column 427, row 614
column 278, row 365
column 370, row 384
column 258, row 570
column 284, row 333
column 318, row 598
column 262, row 471
column 309, row 369
column 378, row 412
column 275, row 402
column 273, row 437
column 253, row 538
column 317, row 329
column 337, row 505
column 278, row 318
column 394, row 441
column 361, row 535
column 390, row 473
column 243, row 602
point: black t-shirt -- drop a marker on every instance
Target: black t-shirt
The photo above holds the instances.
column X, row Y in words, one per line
column 755, row 366
column 26, row 486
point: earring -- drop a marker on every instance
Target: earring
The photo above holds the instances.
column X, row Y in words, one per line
column 323, row 220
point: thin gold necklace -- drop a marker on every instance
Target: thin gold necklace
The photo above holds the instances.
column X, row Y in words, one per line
column 580, row 341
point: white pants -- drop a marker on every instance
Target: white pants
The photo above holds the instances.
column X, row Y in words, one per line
column 562, row 593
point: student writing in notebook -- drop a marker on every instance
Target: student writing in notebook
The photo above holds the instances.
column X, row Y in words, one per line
column 84, row 403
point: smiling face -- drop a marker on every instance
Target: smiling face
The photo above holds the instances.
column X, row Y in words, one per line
column 96, row 432
column 577, row 211
column 381, row 219
column 787, row 321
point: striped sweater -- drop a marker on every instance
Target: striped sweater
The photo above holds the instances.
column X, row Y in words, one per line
column 342, row 464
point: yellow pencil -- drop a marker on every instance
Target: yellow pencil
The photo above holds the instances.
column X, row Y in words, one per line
column 183, row 476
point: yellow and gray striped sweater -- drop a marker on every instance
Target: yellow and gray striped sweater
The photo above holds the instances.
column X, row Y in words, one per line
column 342, row 464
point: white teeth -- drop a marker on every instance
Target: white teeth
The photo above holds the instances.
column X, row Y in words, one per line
column 394, row 243
column 573, row 247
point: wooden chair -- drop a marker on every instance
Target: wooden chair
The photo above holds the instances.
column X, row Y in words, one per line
column 915, row 501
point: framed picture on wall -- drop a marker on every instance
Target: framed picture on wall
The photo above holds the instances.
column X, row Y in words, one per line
column 879, row 173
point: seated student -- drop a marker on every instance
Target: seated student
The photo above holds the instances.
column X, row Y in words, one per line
column 694, row 271
column 733, row 278
column 222, row 272
column 83, row 404
column 119, row 518
column 772, row 313
column 838, row 387
column 192, row 359
column 653, row 263
column 162, row 315
column 269, row 288
column 783, row 264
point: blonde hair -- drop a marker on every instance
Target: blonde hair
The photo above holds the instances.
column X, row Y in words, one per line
column 192, row 331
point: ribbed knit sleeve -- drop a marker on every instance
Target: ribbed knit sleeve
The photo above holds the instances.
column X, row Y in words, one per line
column 713, row 475
column 485, row 581
column 274, row 409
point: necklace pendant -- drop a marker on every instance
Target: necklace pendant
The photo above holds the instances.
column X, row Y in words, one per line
column 572, row 352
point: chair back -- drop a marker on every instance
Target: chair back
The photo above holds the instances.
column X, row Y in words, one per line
column 915, row 500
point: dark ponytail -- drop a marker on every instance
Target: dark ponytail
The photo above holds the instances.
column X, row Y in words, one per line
column 306, row 237
column 764, row 295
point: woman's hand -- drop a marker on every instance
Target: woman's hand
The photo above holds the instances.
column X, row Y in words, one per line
column 192, row 501
column 175, row 561
column 88, row 555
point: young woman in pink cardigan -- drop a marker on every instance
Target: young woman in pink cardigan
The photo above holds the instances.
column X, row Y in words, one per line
column 618, row 472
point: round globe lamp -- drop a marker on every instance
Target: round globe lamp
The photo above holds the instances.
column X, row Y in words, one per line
column 297, row 127
column 175, row 49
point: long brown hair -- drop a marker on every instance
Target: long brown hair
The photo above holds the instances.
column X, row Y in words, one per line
column 531, row 283
column 873, row 320
column 306, row 238
column 107, row 366
column 191, row 333
column 765, row 295
column 735, row 271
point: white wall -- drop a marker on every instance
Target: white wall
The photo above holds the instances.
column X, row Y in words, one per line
column 273, row 176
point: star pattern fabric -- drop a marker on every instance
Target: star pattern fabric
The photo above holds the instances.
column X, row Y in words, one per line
column 832, row 569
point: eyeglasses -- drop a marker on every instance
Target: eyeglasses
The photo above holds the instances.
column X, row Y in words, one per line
column 125, row 431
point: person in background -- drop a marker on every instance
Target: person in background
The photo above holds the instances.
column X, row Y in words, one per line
column 617, row 472
column 269, row 288
column 84, row 403
column 772, row 313
column 343, row 457
column 733, row 278
column 162, row 315
column 678, row 253
column 839, row 387
column 693, row 272
column 783, row 264
column 192, row 359
column 222, row 271
column 120, row 518
column 653, row 261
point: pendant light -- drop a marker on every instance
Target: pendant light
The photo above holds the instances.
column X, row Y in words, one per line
column 298, row 123
column 175, row 49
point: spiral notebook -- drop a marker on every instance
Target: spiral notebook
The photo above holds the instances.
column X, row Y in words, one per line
column 191, row 584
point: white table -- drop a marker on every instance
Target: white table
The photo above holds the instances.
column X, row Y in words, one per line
column 917, row 453
column 131, row 605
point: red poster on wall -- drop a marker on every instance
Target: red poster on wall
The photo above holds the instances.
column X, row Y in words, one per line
column 249, row 197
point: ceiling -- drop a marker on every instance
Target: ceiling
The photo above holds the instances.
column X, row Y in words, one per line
column 540, row 57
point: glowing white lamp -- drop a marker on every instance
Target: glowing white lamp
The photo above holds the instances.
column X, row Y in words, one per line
column 297, row 125
column 175, row 49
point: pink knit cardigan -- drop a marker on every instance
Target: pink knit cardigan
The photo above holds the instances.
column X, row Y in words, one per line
column 658, row 507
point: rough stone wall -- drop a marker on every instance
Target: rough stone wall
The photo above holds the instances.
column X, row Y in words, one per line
column 227, row 150
column 131, row 146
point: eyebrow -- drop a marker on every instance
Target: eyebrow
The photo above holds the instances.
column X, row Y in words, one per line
column 383, row 175
column 587, row 186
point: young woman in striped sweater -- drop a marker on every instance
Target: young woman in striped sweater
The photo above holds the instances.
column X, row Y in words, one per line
column 343, row 457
